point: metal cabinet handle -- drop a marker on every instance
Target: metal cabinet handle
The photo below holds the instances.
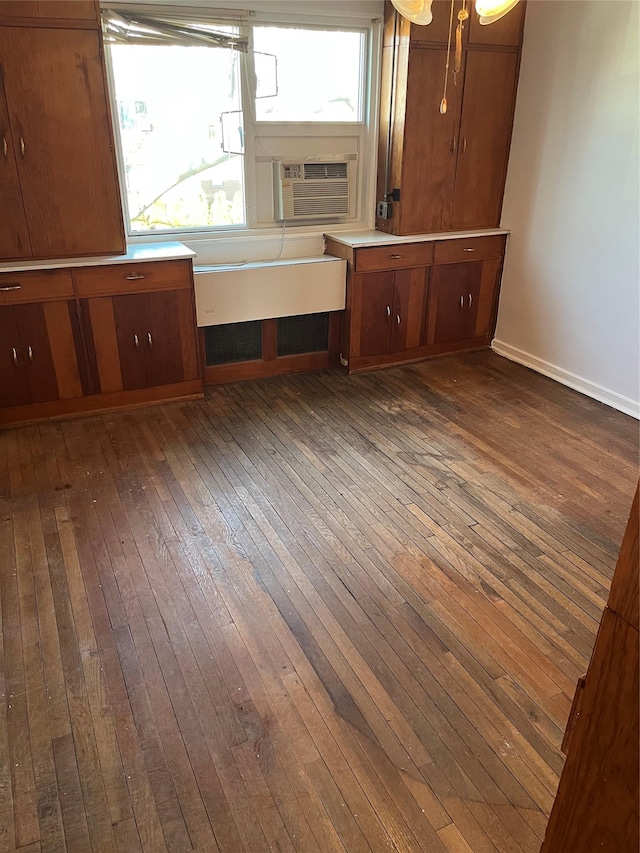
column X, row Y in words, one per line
column 470, row 300
column 150, row 339
column 30, row 354
column 5, row 147
column 398, row 319
column 464, row 144
column 462, row 301
column 388, row 310
column 134, row 276
column 395, row 257
column 11, row 287
column 454, row 145
column 22, row 146
column 468, row 250
column 15, row 356
column 136, row 341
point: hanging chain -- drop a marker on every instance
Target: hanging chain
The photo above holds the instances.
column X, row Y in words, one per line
column 443, row 102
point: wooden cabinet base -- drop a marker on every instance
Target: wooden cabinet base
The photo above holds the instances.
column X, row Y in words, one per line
column 100, row 403
column 375, row 362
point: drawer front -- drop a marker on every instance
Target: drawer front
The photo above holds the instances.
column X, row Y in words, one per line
column 133, row 278
column 473, row 249
column 400, row 256
column 35, row 286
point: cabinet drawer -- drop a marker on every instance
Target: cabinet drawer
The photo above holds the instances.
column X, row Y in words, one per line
column 473, row 249
column 133, row 278
column 395, row 257
column 35, row 286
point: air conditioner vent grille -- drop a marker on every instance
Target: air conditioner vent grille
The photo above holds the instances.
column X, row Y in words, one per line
column 324, row 171
column 320, row 206
column 317, row 189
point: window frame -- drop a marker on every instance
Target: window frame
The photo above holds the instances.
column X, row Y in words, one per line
column 257, row 133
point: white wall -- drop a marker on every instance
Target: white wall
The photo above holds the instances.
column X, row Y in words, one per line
column 570, row 303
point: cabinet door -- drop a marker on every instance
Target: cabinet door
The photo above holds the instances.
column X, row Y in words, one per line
column 430, row 145
column 59, row 116
column 455, row 291
column 131, row 317
column 485, row 136
column 163, row 343
column 374, row 320
column 14, row 388
column 36, row 352
column 505, row 31
column 408, row 308
column 150, row 340
column 14, row 236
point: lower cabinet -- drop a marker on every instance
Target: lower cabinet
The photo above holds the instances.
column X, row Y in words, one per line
column 409, row 301
column 392, row 309
column 85, row 339
column 135, row 341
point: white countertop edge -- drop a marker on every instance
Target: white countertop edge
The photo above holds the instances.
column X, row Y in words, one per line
column 362, row 239
column 136, row 254
column 252, row 265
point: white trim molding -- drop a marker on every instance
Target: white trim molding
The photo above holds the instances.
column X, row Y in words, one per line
column 571, row 380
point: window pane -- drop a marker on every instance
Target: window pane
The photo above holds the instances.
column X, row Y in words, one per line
column 169, row 105
column 319, row 74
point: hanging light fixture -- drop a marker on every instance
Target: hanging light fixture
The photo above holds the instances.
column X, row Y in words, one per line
column 416, row 11
column 492, row 10
column 419, row 11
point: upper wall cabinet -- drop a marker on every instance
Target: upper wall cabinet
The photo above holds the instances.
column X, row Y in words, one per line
column 58, row 176
column 448, row 169
column 50, row 10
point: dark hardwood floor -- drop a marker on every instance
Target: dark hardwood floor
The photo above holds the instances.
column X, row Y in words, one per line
column 313, row 613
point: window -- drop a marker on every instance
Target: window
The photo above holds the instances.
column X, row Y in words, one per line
column 198, row 126
column 318, row 74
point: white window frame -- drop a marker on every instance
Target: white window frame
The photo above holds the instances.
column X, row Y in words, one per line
column 265, row 134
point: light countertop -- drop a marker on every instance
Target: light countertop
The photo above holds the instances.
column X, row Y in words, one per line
column 137, row 254
column 362, row 239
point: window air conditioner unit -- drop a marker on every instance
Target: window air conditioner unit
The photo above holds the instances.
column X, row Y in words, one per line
column 314, row 190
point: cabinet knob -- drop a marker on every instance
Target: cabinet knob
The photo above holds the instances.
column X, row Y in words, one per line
column 470, row 300
column 150, row 339
column 468, row 250
column 464, row 144
column 398, row 319
column 15, row 356
column 388, row 310
column 454, row 145
column 11, row 287
column 461, row 301
column 134, row 276
column 395, row 257
column 4, row 146
column 30, row 354
column 22, row 146
column 136, row 341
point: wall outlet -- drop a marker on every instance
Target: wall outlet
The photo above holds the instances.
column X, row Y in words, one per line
column 383, row 210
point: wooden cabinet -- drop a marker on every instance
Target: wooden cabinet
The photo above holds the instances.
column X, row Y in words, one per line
column 463, row 298
column 448, row 169
column 58, row 177
column 140, row 327
column 40, row 341
column 596, row 807
column 391, row 311
column 64, row 349
column 60, row 11
column 407, row 301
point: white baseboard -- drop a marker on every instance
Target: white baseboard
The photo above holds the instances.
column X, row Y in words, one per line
column 565, row 377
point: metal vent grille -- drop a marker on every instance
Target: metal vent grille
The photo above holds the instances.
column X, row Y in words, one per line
column 304, row 333
column 320, row 190
column 323, row 205
column 320, row 171
column 233, row 342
